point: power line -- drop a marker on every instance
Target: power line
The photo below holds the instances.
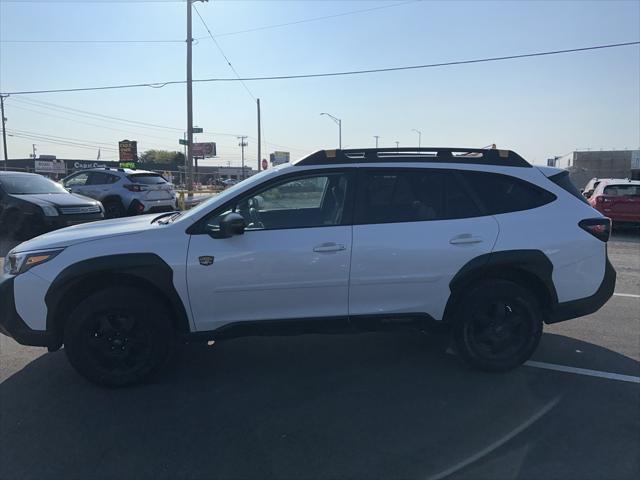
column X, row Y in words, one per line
column 90, row 41
column 331, row 74
column 53, row 106
column 315, row 19
column 107, row 145
column 60, row 142
column 218, row 35
column 223, row 54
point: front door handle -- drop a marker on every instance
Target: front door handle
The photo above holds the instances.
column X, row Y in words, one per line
column 465, row 239
column 329, row 247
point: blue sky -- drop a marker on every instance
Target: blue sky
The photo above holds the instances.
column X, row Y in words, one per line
column 539, row 107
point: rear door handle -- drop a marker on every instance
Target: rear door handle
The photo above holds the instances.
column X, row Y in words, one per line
column 329, row 247
column 465, row 239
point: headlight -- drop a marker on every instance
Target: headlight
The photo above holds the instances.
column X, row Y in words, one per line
column 17, row 263
column 49, row 210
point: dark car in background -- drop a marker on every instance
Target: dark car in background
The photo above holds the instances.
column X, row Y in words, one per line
column 31, row 204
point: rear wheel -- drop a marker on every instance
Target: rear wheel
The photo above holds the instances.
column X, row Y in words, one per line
column 113, row 209
column 119, row 337
column 497, row 325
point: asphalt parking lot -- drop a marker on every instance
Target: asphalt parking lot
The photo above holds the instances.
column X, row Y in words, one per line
column 365, row 406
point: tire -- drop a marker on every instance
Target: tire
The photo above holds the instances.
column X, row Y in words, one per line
column 113, row 209
column 119, row 337
column 497, row 325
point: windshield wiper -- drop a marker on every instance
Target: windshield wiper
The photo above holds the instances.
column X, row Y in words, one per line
column 167, row 214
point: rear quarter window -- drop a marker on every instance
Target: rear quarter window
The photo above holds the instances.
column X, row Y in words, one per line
column 503, row 193
column 563, row 181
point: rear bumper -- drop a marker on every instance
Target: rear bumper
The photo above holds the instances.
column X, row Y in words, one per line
column 10, row 322
column 585, row 306
column 141, row 207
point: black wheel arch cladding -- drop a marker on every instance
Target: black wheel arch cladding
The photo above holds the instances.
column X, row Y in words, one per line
column 531, row 263
column 147, row 268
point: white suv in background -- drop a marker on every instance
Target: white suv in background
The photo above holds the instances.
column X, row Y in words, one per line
column 341, row 241
column 124, row 191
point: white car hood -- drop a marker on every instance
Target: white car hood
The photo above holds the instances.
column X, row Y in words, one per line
column 87, row 232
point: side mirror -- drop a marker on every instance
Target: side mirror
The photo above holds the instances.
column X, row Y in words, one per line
column 232, row 224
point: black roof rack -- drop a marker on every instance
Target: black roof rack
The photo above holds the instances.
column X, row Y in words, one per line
column 477, row 156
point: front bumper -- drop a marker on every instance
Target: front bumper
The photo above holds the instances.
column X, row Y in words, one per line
column 585, row 306
column 10, row 322
column 61, row 221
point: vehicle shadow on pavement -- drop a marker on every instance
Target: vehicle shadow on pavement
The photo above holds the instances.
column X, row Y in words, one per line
column 365, row 406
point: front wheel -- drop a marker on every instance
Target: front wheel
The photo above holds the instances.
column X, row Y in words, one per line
column 497, row 325
column 118, row 336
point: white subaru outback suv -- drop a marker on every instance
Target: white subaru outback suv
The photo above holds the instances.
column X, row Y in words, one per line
column 341, row 241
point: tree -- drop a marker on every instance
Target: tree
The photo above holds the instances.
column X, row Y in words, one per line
column 162, row 157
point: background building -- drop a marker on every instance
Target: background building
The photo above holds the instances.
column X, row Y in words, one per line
column 585, row 165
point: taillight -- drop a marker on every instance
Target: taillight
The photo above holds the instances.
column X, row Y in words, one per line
column 133, row 187
column 598, row 227
column 603, row 199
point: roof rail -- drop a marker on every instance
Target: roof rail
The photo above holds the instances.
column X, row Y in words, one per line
column 477, row 156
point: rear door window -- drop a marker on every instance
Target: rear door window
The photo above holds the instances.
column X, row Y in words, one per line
column 503, row 194
column 412, row 195
column 101, row 178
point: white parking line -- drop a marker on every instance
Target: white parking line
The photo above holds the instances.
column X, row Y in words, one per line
column 583, row 371
column 630, row 295
column 576, row 370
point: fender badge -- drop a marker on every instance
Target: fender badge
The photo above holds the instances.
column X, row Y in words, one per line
column 205, row 260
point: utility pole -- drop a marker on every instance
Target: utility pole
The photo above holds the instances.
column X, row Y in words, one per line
column 189, row 158
column 242, row 144
column 189, row 103
column 377, row 137
column 397, row 145
column 259, row 137
column 33, row 147
column 4, row 132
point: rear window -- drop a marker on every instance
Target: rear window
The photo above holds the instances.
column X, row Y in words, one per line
column 147, row 178
column 563, row 181
column 503, row 194
column 628, row 190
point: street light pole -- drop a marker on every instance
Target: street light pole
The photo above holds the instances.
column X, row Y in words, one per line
column 419, row 136
column 339, row 123
column 397, row 145
column 4, row 132
column 376, row 137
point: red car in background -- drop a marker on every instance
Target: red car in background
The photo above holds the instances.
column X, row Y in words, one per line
column 617, row 199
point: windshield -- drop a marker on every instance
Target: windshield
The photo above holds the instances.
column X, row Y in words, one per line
column 29, row 184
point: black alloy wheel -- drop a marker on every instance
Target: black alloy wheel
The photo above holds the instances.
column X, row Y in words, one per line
column 119, row 336
column 498, row 325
